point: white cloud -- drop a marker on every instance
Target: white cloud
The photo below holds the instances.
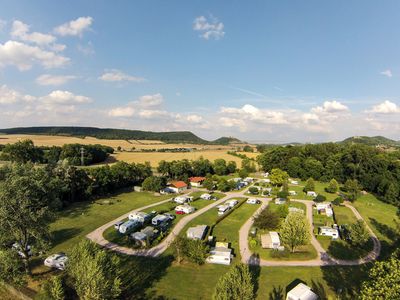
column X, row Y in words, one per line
column 10, row 96
column 194, row 119
column 117, row 76
column 48, row 79
column 209, row 28
column 233, row 122
column 387, row 73
column 386, row 107
column 122, row 112
column 252, row 113
column 151, row 100
column 330, row 107
column 3, row 24
column 24, row 56
column 20, row 31
column 154, row 113
column 74, row 27
column 65, row 97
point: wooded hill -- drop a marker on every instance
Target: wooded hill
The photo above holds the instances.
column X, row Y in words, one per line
column 371, row 141
column 118, row 134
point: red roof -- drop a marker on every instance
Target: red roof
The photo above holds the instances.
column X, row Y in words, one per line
column 179, row 184
column 197, row 179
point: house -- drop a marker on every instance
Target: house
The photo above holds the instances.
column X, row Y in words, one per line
column 129, row 226
column 294, row 182
column 206, row 197
column 183, row 199
column 197, row 233
column 329, row 231
column 280, row 201
column 270, row 240
column 301, row 292
column 312, row 194
column 144, row 236
column 160, row 220
column 178, row 186
column 325, row 208
column 140, row 216
column 220, row 254
column 292, row 193
column 184, row 209
column 196, row 181
column 231, row 203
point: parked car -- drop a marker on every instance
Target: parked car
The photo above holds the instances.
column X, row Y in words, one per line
column 57, row 261
column 118, row 224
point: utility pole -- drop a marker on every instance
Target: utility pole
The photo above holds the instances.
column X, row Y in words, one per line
column 82, row 156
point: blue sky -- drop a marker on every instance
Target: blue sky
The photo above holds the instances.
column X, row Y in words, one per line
column 274, row 71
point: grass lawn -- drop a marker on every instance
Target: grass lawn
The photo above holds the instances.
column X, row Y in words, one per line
column 321, row 220
column 198, row 282
column 319, row 189
column 81, row 218
column 228, row 229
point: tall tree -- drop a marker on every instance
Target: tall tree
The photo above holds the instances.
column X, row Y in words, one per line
column 94, row 271
column 352, row 189
column 278, row 177
column 236, row 284
column 295, row 231
column 27, row 200
column 333, row 186
column 11, row 268
column 358, row 233
column 310, row 185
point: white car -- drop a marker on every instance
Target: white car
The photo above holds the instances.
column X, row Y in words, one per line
column 57, row 261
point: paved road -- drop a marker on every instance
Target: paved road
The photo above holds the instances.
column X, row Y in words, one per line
column 97, row 235
column 323, row 258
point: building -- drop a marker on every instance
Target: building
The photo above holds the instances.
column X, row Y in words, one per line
column 329, row 231
column 301, row 292
column 178, row 186
column 196, row 181
column 197, row 233
column 270, row 240
column 220, row 254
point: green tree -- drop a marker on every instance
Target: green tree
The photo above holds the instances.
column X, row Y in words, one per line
column 320, row 198
column 154, row 183
column 95, row 272
column 11, row 268
column 392, row 193
column 278, row 177
column 22, row 152
column 295, row 231
column 358, row 233
column 220, row 167
column 267, row 219
column 253, row 190
column 243, row 173
column 28, row 198
column 231, row 167
column 52, row 289
column 310, row 185
column 208, row 183
column 236, row 284
column 248, row 165
column 352, row 189
column 383, row 281
column 333, row 186
column 194, row 251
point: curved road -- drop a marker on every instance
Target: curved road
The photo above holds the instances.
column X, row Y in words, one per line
column 323, row 258
column 97, row 235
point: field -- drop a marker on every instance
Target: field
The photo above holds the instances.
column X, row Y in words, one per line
column 55, row 140
column 155, row 157
column 319, row 189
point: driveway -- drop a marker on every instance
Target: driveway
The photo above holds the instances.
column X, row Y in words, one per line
column 323, row 258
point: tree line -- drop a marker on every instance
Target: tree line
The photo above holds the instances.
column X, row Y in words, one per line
column 25, row 151
column 375, row 170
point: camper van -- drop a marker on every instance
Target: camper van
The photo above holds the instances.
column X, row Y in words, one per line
column 129, row 226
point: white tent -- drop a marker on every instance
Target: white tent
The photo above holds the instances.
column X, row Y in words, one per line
column 301, row 292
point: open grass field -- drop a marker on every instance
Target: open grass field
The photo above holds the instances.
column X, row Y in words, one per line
column 319, row 189
column 228, row 229
column 55, row 140
column 82, row 218
column 155, row 157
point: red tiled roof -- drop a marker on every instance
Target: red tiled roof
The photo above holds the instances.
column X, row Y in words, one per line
column 179, row 184
column 197, row 179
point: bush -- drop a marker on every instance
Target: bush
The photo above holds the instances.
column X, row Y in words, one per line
column 320, row 198
column 337, row 201
column 283, row 194
column 282, row 211
column 253, row 190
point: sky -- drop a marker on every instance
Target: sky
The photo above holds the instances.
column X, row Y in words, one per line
column 261, row 71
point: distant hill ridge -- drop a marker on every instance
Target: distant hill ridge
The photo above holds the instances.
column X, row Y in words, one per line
column 371, row 141
column 119, row 134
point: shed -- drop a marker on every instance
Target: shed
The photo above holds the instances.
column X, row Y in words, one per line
column 301, row 292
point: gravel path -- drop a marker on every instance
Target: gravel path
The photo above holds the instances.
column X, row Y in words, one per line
column 323, row 258
column 97, row 235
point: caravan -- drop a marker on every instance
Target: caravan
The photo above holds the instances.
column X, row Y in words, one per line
column 129, row 226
